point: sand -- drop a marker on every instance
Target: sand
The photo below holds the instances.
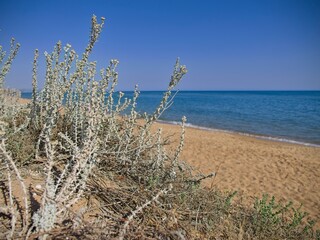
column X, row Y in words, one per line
column 23, row 101
column 254, row 166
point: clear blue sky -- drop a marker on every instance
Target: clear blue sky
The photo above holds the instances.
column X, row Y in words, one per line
column 226, row 45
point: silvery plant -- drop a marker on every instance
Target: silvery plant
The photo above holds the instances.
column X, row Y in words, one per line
column 8, row 97
column 81, row 124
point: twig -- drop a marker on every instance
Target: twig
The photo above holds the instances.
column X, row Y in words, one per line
column 137, row 210
column 11, row 163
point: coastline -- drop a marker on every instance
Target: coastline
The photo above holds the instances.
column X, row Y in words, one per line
column 255, row 135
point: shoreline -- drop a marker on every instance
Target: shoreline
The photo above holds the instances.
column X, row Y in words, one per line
column 190, row 125
column 306, row 136
column 254, row 135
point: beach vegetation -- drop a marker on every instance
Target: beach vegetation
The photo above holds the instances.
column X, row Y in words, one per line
column 79, row 161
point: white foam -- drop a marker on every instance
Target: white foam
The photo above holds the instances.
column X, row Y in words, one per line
column 275, row 139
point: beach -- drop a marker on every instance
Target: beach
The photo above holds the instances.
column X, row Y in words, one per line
column 252, row 166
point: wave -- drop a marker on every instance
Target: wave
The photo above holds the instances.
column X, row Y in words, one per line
column 270, row 138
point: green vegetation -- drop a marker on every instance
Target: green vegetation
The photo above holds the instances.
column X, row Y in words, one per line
column 104, row 174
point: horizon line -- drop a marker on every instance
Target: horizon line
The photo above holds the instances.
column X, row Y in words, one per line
column 212, row 90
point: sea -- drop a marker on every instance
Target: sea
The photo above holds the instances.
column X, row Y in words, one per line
column 288, row 116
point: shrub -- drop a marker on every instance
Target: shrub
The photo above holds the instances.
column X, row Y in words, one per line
column 89, row 133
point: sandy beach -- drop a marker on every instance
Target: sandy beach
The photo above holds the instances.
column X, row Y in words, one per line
column 250, row 165
column 254, row 166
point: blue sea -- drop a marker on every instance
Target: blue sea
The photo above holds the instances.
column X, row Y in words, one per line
column 291, row 116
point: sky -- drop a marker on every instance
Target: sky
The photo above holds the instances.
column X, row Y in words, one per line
column 225, row 44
